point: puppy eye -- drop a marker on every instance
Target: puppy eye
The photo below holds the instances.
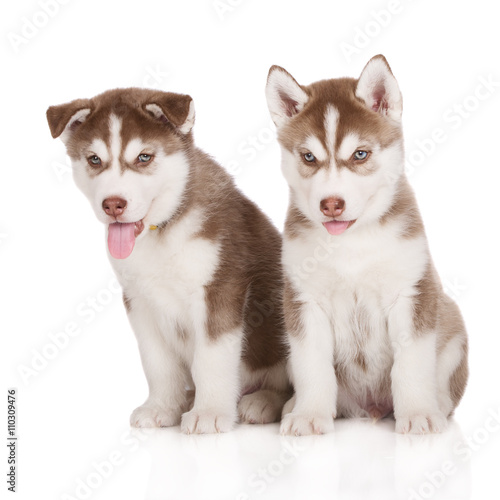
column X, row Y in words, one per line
column 360, row 155
column 94, row 161
column 144, row 158
column 309, row 157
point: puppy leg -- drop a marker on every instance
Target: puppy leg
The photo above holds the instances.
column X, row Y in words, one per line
column 313, row 375
column 166, row 377
column 215, row 371
column 414, row 374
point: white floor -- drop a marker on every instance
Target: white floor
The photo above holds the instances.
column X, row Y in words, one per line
column 360, row 460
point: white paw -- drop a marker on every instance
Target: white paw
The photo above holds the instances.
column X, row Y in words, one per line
column 261, row 407
column 421, row 424
column 206, row 422
column 154, row 416
column 304, row 425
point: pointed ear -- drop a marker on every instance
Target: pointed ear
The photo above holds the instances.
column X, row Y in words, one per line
column 65, row 118
column 285, row 97
column 378, row 88
column 178, row 109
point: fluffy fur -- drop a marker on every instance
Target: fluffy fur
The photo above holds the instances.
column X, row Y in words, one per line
column 203, row 286
column 370, row 330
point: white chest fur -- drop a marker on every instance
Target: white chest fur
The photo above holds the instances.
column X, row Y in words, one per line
column 355, row 279
column 166, row 272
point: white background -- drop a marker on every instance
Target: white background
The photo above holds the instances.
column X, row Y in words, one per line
column 73, row 409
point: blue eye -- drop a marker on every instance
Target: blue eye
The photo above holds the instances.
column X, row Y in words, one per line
column 309, row 157
column 360, row 155
column 144, row 158
column 94, row 161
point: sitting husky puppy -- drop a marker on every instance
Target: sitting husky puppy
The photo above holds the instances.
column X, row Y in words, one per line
column 371, row 331
column 199, row 263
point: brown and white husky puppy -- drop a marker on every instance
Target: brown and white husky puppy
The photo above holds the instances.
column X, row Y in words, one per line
column 370, row 330
column 199, row 263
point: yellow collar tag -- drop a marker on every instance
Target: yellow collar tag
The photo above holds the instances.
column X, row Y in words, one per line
column 153, row 227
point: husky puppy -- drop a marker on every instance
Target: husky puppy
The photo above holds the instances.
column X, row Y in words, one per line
column 199, row 263
column 370, row 330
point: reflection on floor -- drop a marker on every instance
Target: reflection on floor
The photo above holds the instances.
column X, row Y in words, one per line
column 360, row 460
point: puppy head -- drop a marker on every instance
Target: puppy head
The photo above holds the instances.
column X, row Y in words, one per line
column 341, row 143
column 128, row 150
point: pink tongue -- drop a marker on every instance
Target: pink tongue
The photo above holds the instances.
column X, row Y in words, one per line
column 121, row 239
column 336, row 226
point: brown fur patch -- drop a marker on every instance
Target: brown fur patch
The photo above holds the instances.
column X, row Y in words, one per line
column 425, row 304
column 360, row 360
column 296, row 222
column 361, row 167
column 292, row 307
column 127, row 303
column 458, row 380
column 94, row 171
column 308, row 169
column 182, row 334
column 404, row 209
column 59, row 116
column 451, row 325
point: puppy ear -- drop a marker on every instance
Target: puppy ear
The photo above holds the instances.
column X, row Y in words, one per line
column 178, row 109
column 65, row 118
column 285, row 97
column 378, row 88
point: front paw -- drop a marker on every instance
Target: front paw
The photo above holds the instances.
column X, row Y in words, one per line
column 294, row 424
column 206, row 422
column 149, row 415
column 421, row 423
